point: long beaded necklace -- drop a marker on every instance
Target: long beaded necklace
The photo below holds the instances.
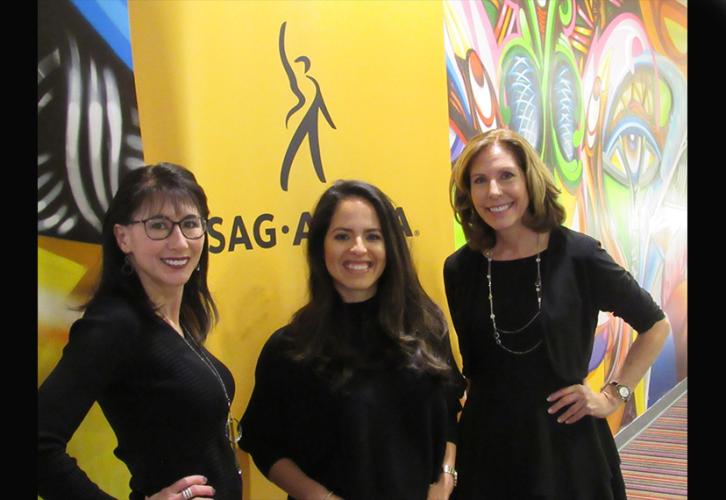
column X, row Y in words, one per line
column 498, row 332
column 230, row 425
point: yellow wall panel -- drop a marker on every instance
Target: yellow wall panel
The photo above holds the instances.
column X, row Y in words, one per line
column 213, row 95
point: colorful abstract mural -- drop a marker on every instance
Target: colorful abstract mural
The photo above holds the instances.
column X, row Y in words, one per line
column 88, row 130
column 599, row 88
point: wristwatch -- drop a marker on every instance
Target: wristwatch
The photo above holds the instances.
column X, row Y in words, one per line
column 622, row 391
column 450, row 470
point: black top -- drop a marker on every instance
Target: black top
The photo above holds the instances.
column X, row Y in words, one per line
column 382, row 435
column 510, row 447
column 582, row 279
column 164, row 404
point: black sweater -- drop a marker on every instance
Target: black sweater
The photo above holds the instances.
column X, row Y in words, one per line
column 579, row 280
column 165, row 406
column 381, row 436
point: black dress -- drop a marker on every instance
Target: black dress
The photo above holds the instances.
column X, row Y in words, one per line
column 164, row 404
column 509, row 446
column 380, row 436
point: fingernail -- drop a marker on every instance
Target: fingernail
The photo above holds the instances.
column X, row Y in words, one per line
column 549, row 398
column 550, row 410
column 559, row 420
column 205, row 479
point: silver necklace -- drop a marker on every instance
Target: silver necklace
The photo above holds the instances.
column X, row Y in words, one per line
column 498, row 332
column 230, row 425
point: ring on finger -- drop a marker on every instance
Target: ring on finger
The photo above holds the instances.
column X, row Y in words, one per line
column 187, row 494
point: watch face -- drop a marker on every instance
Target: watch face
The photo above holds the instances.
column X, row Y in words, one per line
column 623, row 392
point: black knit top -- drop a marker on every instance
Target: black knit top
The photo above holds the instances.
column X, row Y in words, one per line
column 511, row 447
column 165, row 405
column 382, row 435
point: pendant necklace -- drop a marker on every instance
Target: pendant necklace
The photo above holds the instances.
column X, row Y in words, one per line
column 498, row 332
column 230, row 425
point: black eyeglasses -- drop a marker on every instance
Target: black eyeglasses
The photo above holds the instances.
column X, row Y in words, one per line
column 160, row 227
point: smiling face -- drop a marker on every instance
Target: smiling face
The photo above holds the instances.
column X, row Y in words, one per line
column 498, row 189
column 355, row 252
column 163, row 266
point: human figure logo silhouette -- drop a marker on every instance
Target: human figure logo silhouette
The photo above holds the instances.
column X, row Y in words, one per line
column 308, row 127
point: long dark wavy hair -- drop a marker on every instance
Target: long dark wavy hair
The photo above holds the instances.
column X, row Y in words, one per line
column 544, row 212
column 156, row 184
column 405, row 313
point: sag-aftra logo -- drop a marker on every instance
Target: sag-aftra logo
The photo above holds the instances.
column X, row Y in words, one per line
column 266, row 231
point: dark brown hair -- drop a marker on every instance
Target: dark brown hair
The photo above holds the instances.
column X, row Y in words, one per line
column 152, row 184
column 406, row 314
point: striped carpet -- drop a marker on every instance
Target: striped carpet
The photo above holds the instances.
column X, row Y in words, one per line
column 654, row 463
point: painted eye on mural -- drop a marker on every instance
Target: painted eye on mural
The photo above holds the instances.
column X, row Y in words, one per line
column 565, row 98
column 522, row 94
column 632, row 155
column 482, row 91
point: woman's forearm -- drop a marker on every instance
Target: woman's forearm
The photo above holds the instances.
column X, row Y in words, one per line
column 287, row 475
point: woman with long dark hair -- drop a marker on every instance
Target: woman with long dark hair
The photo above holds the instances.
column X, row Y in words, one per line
column 357, row 397
column 138, row 351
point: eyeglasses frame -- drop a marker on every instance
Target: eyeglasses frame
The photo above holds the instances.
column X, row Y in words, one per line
column 174, row 223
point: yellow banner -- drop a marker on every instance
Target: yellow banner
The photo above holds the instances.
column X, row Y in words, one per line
column 269, row 103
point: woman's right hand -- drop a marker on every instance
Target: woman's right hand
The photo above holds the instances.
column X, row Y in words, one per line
column 184, row 489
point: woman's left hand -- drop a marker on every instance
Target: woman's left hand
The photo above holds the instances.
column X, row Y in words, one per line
column 441, row 489
column 582, row 401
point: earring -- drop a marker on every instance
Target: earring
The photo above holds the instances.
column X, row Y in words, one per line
column 127, row 269
column 199, row 266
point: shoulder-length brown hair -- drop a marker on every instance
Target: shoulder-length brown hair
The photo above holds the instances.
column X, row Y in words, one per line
column 544, row 211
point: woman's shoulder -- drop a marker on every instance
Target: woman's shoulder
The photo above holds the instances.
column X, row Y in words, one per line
column 111, row 315
column 573, row 242
column 277, row 344
column 109, row 324
column 113, row 310
column 275, row 357
column 462, row 257
column 281, row 336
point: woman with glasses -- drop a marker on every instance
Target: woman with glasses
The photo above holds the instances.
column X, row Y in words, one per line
column 138, row 351
column 357, row 397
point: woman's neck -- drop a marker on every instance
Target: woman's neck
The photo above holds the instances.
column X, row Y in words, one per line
column 169, row 308
column 520, row 244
